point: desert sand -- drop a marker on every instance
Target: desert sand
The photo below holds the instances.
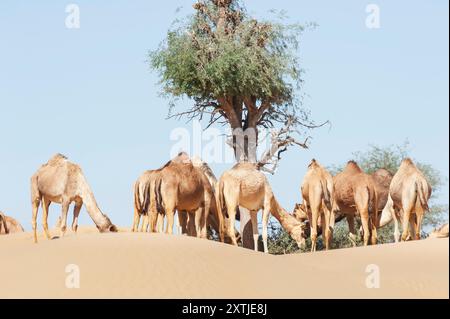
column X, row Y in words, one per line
column 136, row 265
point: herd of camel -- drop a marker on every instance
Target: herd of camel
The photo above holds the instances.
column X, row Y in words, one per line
column 189, row 188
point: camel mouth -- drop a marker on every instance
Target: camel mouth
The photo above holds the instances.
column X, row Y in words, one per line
column 113, row 229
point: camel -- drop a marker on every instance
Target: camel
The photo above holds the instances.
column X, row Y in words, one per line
column 60, row 181
column 144, row 203
column 355, row 192
column 213, row 217
column 9, row 225
column 244, row 185
column 382, row 179
column 408, row 199
column 318, row 200
column 180, row 186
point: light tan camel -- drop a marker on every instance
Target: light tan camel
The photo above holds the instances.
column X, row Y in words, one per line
column 355, row 193
column 9, row 225
column 408, row 199
column 145, row 204
column 63, row 182
column 245, row 186
column 318, row 200
column 180, row 186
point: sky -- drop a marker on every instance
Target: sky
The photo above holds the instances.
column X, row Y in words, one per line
column 89, row 93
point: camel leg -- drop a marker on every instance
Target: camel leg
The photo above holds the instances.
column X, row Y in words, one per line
column 419, row 217
column 265, row 222
column 160, row 223
column 412, row 227
column 373, row 234
column 144, row 224
column 405, row 223
column 35, row 207
column 313, row 215
column 351, row 228
column 198, row 215
column 326, row 232
column 182, row 220
column 231, row 220
column 64, row 211
column 191, row 230
column 136, row 220
column 205, row 217
column 396, row 228
column 254, row 221
column 365, row 224
column 170, row 220
column 76, row 213
column 45, row 207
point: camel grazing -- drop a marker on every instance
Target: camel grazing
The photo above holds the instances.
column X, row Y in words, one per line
column 180, row 186
column 60, row 181
column 355, row 192
column 9, row 225
column 245, row 186
column 318, row 199
column 408, row 198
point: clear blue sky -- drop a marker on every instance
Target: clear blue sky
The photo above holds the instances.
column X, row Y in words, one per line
column 88, row 93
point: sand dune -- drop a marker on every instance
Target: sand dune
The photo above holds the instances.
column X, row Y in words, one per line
column 127, row 265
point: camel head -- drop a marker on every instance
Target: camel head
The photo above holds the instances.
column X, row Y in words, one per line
column 302, row 217
column 107, row 226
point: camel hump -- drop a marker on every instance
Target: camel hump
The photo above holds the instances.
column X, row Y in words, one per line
column 313, row 163
column 408, row 161
column 352, row 165
column 57, row 158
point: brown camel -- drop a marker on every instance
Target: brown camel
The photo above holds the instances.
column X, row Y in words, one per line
column 245, row 186
column 63, row 182
column 212, row 218
column 180, row 186
column 408, row 198
column 355, row 193
column 318, row 199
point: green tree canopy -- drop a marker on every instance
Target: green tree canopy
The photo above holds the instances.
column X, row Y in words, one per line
column 237, row 70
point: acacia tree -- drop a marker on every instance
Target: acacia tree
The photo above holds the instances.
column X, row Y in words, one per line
column 238, row 72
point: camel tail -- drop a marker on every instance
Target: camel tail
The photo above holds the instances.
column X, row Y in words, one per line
column 137, row 201
column 221, row 200
column 158, row 196
column 372, row 209
column 326, row 196
column 421, row 196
